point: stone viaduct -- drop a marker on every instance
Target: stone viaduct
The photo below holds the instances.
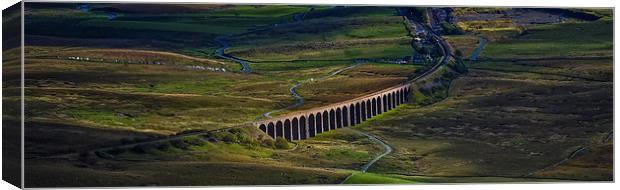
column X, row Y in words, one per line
column 307, row 123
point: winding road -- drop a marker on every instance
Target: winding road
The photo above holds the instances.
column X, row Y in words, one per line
column 387, row 149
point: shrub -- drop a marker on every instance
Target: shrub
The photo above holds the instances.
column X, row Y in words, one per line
column 226, row 136
column 230, row 138
column 282, row 143
column 459, row 66
column 246, row 139
column 235, row 130
column 267, row 142
column 458, row 53
column 450, row 29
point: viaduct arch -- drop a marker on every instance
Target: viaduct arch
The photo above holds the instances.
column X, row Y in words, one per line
column 305, row 124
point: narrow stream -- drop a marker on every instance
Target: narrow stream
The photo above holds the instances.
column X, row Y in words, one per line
column 481, row 44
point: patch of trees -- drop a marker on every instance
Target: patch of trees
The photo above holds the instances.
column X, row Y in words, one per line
column 279, row 143
column 459, row 66
column 438, row 88
column 450, row 28
column 410, row 30
column 282, row 143
column 425, row 48
column 235, row 135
